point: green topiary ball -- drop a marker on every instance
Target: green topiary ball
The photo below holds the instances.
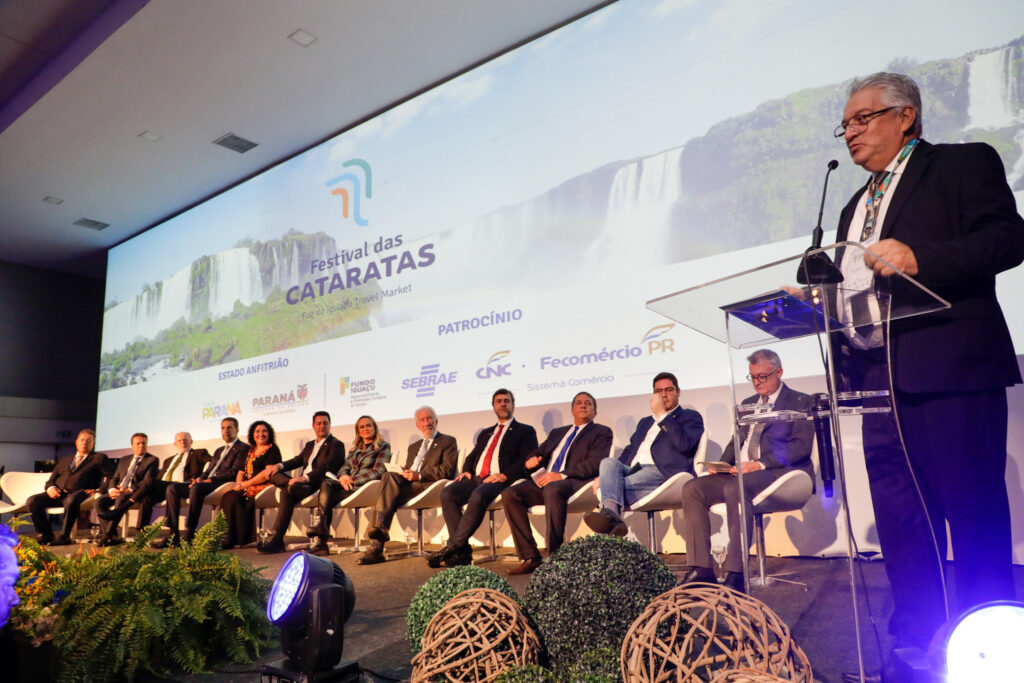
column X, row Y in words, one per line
column 587, row 595
column 435, row 594
column 596, row 666
column 531, row 673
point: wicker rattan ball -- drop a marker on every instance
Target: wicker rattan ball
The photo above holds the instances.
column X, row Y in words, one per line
column 476, row 636
column 698, row 631
column 745, row 676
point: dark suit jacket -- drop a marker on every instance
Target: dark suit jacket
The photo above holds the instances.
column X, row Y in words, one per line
column 586, row 451
column 194, row 463
column 783, row 444
column 674, row 448
column 516, row 445
column 953, row 207
column 144, row 478
column 232, row 462
column 441, row 460
column 330, row 459
column 88, row 475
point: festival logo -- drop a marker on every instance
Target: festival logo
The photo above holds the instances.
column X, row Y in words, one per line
column 429, row 379
column 352, row 189
column 494, row 367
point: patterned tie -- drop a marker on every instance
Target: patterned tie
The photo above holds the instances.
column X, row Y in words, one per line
column 485, row 471
column 126, row 483
column 557, row 467
column 876, row 191
column 418, row 462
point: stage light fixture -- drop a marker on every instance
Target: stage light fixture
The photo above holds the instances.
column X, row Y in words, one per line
column 310, row 601
column 984, row 644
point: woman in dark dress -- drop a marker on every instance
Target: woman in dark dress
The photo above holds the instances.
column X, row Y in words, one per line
column 238, row 504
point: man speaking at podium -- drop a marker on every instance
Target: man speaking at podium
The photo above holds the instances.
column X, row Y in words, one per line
column 945, row 216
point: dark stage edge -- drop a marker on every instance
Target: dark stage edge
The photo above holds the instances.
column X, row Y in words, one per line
column 820, row 618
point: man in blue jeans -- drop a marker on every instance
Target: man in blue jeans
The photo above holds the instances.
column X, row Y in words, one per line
column 663, row 444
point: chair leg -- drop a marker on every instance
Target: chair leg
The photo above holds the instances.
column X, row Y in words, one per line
column 652, row 539
column 493, row 544
column 762, row 579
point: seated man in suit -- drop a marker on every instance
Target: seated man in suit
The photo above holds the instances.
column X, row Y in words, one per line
column 429, row 459
column 221, row 469
column 186, row 464
column 663, row 445
column 321, row 455
column 572, row 455
column 767, row 451
column 131, row 483
column 496, row 462
column 75, row 478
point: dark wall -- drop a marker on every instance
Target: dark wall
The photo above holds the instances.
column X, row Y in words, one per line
column 50, row 327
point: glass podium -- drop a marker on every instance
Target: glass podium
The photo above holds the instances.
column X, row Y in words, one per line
column 802, row 296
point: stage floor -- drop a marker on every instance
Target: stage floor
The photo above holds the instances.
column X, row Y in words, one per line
column 821, row 618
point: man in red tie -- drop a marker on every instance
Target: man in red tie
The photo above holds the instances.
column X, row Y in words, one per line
column 496, row 461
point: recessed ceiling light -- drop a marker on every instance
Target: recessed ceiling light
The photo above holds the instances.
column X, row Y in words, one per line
column 303, row 38
column 53, row 200
column 150, row 135
column 235, row 143
column 91, row 224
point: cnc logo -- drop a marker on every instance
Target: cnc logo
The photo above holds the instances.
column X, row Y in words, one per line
column 494, row 367
column 429, row 379
column 352, row 189
column 656, row 340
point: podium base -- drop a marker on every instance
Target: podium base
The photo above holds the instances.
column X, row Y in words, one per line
column 280, row 672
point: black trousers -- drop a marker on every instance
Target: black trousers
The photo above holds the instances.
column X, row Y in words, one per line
column 331, row 493
column 476, row 496
column 240, row 513
column 291, row 495
column 555, row 497
column 956, row 457
column 37, row 504
column 195, row 494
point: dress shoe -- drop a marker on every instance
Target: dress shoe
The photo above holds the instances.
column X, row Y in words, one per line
column 109, row 540
column 524, row 567
column 272, row 547
column 61, row 540
column 734, row 580
column 434, row 561
column 45, row 539
column 461, row 556
column 172, row 541
column 108, row 515
column 320, row 548
column 606, row 522
column 378, row 534
column 375, row 555
column 226, row 545
column 698, row 575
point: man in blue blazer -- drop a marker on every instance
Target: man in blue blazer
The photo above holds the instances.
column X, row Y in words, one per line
column 767, row 452
column 944, row 215
column 496, row 462
column 571, row 456
column 663, row 445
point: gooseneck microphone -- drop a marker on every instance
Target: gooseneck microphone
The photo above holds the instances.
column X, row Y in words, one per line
column 818, row 268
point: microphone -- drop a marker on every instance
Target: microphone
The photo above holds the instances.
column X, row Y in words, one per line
column 823, row 437
column 818, row 268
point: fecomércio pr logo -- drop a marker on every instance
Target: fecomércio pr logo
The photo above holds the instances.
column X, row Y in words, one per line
column 429, row 379
column 352, row 189
column 657, row 341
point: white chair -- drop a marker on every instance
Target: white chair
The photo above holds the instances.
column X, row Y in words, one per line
column 496, row 504
column 270, row 497
column 19, row 487
column 789, row 492
column 363, row 497
column 669, row 496
column 427, row 499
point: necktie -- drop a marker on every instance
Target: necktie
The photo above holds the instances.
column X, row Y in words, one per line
column 485, row 471
column 169, row 474
column 211, row 469
column 876, row 191
column 557, row 467
column 77, row 461
column 126, row 483
column 754, row 451
column 418, row 462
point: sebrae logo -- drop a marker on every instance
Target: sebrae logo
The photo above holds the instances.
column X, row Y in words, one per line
column 351, row 189
column 656, row 341
column 429, row 379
